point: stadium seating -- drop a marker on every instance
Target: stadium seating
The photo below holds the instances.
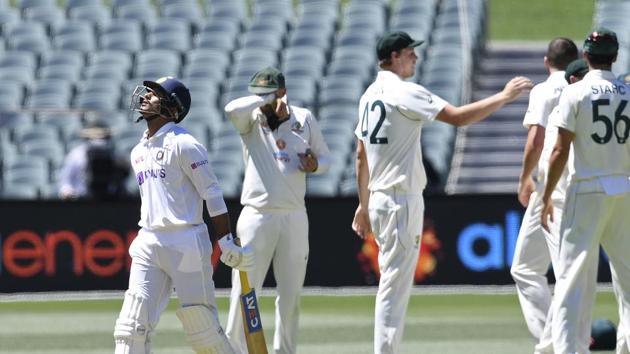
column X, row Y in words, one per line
column 70, row 62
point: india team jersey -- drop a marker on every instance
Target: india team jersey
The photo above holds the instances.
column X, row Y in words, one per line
column 391, row 115
column 273, row 179
column 543, row 98
column 596, row 110
column 174, row 176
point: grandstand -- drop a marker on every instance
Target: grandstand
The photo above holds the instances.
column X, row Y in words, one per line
column 64, row 66
column 66, row 63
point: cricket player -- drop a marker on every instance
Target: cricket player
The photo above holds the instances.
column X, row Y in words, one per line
column 390, row 174
column 593, row 120
column 281, row 144
column 535, row 249
column 173, row 248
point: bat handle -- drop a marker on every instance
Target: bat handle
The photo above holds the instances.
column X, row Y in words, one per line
column 245, row 288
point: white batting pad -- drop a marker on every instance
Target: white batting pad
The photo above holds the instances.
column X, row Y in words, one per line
column 131, row 332
column 203, row 331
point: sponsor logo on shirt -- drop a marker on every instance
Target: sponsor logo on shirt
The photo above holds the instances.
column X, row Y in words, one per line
column 281, row 156
column 144, row 176
column 194, row 165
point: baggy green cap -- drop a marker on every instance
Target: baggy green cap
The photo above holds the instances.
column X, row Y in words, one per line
column 601, row 42
column 394, row 41
column 578, row 67
column 266, row 80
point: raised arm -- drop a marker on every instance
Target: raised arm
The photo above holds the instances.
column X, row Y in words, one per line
column 239, row 111
column 476, row 111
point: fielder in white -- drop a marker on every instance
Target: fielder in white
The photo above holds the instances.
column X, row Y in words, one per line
column 530, row 304
column 535, row 248
column 390, row 174
column 173, row 248
column 593, row 120
column 281, row 144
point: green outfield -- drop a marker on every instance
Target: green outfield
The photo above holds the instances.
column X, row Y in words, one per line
column 539, row 20
column 471, row 324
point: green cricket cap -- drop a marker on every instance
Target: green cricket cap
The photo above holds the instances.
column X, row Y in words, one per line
column 266, row 80
column 394, row 41
column 578, row 67
column 601, row 42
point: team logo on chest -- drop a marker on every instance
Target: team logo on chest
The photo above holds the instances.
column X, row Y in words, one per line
column 281, row 144
column 297, row 127
column 160, row 155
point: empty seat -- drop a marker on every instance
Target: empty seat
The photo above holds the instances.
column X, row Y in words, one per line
column 63, row 57
column 146, row 15
column 29, row 42
column 99, row 15
column 120, row 42
column 82, row 42
column 50, row 15
column 114, row 58
column 214, row 40
column 21, row 74
column 25, row 4
column 189, row 12
column 60, row 71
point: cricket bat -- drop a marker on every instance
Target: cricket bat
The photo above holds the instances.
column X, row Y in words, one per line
column 252, row 324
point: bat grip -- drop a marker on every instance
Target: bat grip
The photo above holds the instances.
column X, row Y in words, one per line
column 245, row 288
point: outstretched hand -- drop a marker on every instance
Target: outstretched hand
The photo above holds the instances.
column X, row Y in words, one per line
column 516, row 86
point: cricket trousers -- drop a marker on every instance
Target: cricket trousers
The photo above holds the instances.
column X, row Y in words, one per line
column 278, row 237
column 536, row 249
column 591, row 217
column 396, row 221
column 178, row 258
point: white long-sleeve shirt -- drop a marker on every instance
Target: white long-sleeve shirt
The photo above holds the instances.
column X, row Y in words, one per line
column 543, row 98
column 174, row 176
column 273, row 179
column 391, row 115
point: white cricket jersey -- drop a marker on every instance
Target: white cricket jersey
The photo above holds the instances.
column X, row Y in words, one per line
column 273, row 179
column 543, row 98
column 391, row 115
column 596, row 111
column 174, row 177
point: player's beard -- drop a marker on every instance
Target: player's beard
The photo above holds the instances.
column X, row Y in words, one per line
column 272, row 119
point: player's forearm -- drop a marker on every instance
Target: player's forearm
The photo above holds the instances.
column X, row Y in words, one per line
column 220, row 225
column 363, row 177
column 557, row 162
column 476, row 111
column 533, row 150
column 239, row 111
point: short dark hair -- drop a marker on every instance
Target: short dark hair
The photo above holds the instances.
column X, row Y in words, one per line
column 600, row 59
column 560, row 52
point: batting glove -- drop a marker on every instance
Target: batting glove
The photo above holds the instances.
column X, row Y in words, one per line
column 241, row 258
